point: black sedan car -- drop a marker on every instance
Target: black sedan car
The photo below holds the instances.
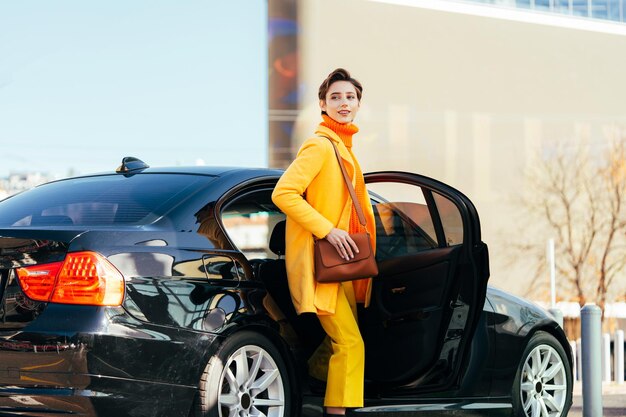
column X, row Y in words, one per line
column 162, row 292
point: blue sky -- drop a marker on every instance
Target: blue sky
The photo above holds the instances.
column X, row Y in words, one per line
column 84, row 83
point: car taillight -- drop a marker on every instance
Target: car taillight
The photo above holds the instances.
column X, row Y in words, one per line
column 37, row 281
column 83, row 278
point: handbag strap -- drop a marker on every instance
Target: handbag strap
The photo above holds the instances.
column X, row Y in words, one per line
column 355, row 200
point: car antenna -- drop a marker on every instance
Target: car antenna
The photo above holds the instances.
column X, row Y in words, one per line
column 130, row 163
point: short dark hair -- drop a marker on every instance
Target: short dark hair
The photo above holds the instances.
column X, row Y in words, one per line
column 339, row 74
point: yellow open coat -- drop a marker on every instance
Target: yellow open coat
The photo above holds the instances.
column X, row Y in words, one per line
column 313, row 195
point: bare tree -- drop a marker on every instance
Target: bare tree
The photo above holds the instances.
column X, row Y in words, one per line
column 578, row 199
column 612, row 177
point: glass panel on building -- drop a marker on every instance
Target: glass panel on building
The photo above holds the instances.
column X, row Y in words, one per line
column 597, row 9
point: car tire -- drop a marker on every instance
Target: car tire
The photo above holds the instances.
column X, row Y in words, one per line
column 543, row 383
column 245, row 377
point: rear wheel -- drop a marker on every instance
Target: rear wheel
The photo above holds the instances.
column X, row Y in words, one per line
column 543, row 384
column 246, row 377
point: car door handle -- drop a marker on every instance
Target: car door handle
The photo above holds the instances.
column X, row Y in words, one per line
column 398, row 290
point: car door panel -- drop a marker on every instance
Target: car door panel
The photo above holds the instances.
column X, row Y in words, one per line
column 408, row 297
column 399, row 265
column 409, row 356
column 431, row 283
column 419, row 285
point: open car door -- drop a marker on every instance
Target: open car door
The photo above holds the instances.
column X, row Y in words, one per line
column 430, row 291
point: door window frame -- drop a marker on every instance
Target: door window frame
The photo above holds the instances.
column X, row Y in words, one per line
column 471, row 236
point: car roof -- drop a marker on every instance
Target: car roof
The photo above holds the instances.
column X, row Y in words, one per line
column 213, row 171
column 217, row 171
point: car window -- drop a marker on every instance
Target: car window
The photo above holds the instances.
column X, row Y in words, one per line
column 450, row 220
column 100, row 200
column 404, row 225
column 249, row 220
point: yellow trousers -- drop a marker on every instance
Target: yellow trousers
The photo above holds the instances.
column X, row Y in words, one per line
column 346, row 367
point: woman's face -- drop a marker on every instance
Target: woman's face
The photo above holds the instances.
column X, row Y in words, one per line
column 341, row 103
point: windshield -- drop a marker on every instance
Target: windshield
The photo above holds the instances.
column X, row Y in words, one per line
column 100, row 200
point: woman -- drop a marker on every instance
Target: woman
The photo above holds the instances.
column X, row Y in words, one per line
column 313, row 195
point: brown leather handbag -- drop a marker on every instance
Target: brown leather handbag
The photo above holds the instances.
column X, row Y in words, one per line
column 329, row 266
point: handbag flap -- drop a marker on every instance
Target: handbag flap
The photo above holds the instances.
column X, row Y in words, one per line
column 330, row 257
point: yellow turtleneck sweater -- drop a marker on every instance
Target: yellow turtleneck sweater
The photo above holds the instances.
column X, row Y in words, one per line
column 345, row 132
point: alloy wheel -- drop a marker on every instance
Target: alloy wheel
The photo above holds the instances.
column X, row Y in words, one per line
column 251, row 385
column 543, row 383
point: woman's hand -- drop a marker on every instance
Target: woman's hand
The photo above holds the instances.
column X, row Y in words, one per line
column 342, row 241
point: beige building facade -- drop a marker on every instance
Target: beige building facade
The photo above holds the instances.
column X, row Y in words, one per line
column 466, row 93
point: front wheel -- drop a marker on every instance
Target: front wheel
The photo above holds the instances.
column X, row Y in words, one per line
column 543, row 383
column 246, row 377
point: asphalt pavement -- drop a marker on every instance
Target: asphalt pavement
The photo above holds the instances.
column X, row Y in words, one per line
column 613, row 401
